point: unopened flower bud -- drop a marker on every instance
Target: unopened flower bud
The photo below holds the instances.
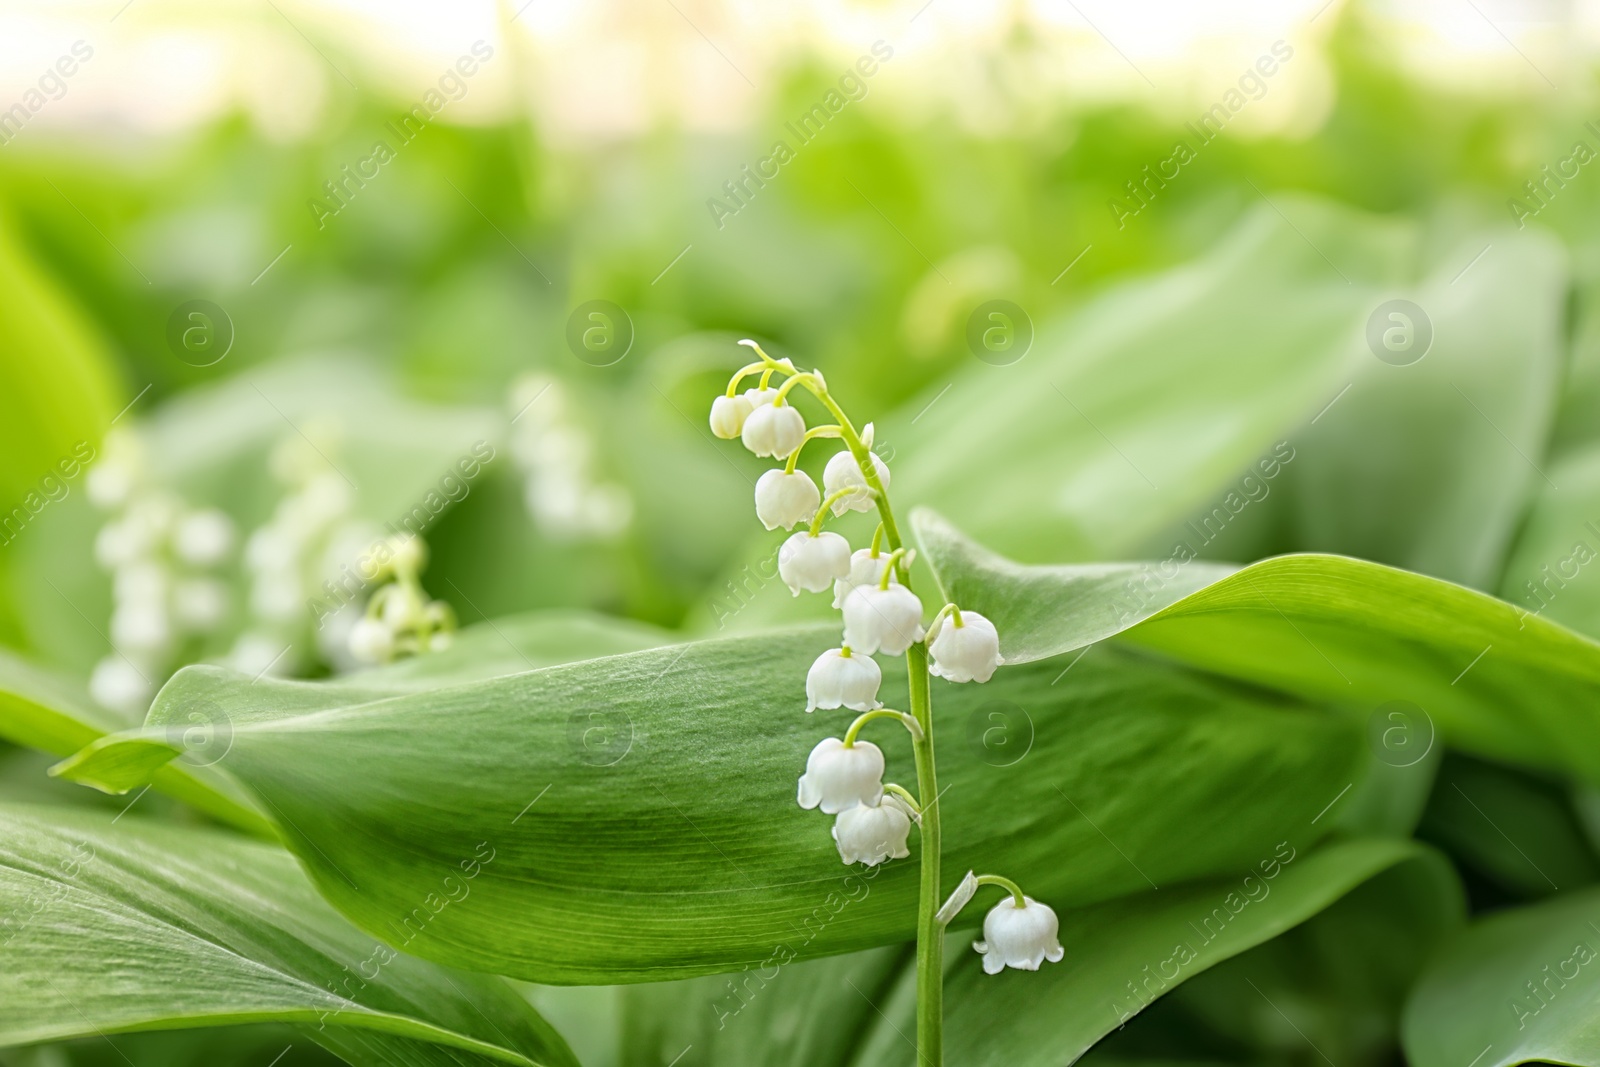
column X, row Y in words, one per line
column 203, row 538
column 813, row 562
column 839, row 777
column 771, row 430
column 371, row 641
column 1019, row 937
column 728, row 414
column 840, row 680
column 783, row 499
column 843, row 472
column 865, row 569
column 964, row 651
column 872, row 833
column 882, row 620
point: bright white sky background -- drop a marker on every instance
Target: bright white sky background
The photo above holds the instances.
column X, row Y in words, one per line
column 593, row 70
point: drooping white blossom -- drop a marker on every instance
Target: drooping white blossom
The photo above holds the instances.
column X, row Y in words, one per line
column 1019, row 937
column 872, row 833
column 728, row 414
column 838, row 777
column 882, row 620
column 811, row 562
column 199, row 604
column 843, row 472
column 783, row 499
column 843, row 679
column 203, row 538
column 371, row 641
column 865, row 569
column 118, row 684
column 964, row 651
column 773, row 430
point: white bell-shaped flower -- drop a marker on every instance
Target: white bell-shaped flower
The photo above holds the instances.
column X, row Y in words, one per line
column 882, row 620
column 841, row 678
column 843, row 472
column 865, row 569
column 141, row 627
column 783, row 499
column 1019, row 937
column 872, row 833
column 757, row 397
column 119, row 685
column 200, row 604
column 838, row 778
column 965, row 651
column 204, row 538
column 728, row 414
column 773, row 430
column 371, row 641
column 812, row 562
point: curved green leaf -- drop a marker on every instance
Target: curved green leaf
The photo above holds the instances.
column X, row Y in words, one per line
column 642, row 805
column 1517, row 987
column 1128, row 415
column 112, row 925
column 1497, row 680
column 858, row 1009
column 43, row 710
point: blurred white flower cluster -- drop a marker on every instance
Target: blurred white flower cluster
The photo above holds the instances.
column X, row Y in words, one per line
column 400, row 619
column 310, row 540
column 163, row 556
column 556, row 458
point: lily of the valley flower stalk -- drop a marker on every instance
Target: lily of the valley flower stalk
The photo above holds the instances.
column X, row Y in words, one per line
column 872, row 588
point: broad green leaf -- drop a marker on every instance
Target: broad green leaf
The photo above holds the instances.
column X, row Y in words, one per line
column 1128, row 415
column 1549, row 572
column 1494, row 679
column 43, row 710
column 642, row 805
column 58, row 393
column 1517, row 987
column 512, row 645
column 57, row 389
column 114, row 924
column 858, row 1008
column 1518, row 832
column 808, row 1014
column 1427, row 465
column 1123, row 955
column 1335, row 985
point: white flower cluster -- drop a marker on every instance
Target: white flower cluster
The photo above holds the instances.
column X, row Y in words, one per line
column 312, row 531
column 162, row 556
column 400, row 620
column 556, row 458
column 844, row 776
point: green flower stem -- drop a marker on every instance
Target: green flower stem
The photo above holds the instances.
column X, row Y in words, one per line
column 908, row 721
column 822, row 512
column 1007, row 884
column 904, row 794
column 733, row 383
column 930, row 935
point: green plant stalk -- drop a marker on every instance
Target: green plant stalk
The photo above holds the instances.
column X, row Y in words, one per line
column 930, row 935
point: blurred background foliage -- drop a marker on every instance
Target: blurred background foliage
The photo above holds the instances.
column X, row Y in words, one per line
column 1203, row 330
